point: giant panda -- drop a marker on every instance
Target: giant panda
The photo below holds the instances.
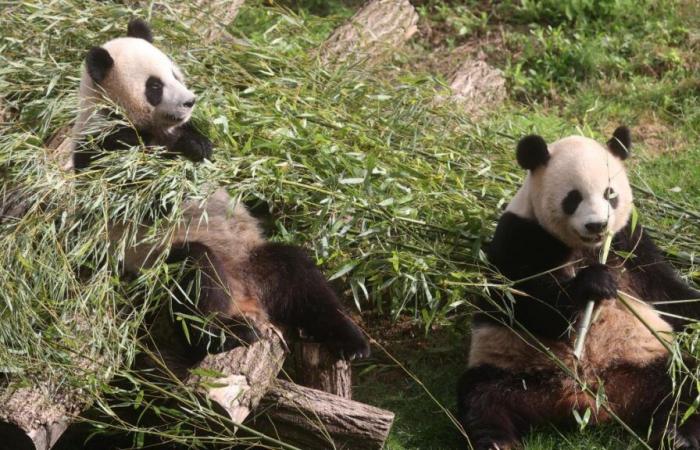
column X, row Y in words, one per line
column 141, row 80
column 548, row 242
column 243, row 281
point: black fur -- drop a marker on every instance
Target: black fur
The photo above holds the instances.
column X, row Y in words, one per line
column 139, row 29
column 192, row 144
column 122, row 137
column 200, row 293
column 532, row 152
column 498, row 407
column 521, row 248
column 595, row 282
column 621, row 142
column 98, row 63
column 296, row 294
column 154, row 90
column 611, row 197
column 656, row 279
column 571, row 202
column 188, row 142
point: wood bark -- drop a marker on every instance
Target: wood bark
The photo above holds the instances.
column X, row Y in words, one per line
column 377, row 28
column 34, row 412
column 317, row 368
column 312, row 419
column 212, row 17
column 34, row 417
column 237, row 379
column 477, row 86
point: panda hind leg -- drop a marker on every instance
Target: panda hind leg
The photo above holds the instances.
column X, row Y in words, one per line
column 295, row 294
column 643, row 397
column 497, row 408
column 202, row 304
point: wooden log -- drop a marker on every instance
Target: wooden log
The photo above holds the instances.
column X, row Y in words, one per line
column 317, row 368
column 312, row 419
column 34, row 417
column 212, row 17
column 237, row 379
column 36, row 410
column 477, row 87
column 377, row 28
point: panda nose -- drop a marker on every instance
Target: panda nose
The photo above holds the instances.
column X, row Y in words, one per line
column 189, row 103
column 596, row 227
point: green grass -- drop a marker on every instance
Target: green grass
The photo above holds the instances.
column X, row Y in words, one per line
column 393, row 195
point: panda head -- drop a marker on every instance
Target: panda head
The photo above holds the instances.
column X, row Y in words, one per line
column 577, row 189
column 139, row 78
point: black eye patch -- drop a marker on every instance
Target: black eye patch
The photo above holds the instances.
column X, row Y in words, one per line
column 571, row 202
column 611, row 196
column 154, row 90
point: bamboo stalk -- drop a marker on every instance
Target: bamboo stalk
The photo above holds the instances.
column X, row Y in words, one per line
column 587, row 318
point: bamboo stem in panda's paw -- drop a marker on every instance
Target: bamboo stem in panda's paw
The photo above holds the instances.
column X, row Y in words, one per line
column 587, row 318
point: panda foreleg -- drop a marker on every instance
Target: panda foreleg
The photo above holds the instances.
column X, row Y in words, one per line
column 89, row 149
column 192, row 144
column 295, row 294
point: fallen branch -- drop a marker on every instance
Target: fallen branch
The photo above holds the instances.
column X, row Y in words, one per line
column 313, row 419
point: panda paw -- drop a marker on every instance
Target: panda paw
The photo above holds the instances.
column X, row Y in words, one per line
column 348, row 342
column 687, row 436
column 596, row 282
column 194, row 147
column 350, row 351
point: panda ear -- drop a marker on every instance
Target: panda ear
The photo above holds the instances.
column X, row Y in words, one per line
column 139, row 29
column 98, row 63
column 620, row 142
column 532, row 152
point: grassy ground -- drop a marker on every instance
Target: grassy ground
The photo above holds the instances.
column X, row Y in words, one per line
column 392, row 194
column 571, row 67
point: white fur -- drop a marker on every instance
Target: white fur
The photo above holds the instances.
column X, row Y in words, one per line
column 578, row 163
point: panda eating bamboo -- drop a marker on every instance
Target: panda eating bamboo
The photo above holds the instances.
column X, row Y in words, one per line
column 245, row 281
column 521, row 370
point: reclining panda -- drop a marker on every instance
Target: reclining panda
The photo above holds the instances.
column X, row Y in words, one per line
column 548, row 242
column 245, row 281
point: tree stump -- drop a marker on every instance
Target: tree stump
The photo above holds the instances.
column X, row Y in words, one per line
column 312, row 419
column 377, row 28
column 317, row 368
